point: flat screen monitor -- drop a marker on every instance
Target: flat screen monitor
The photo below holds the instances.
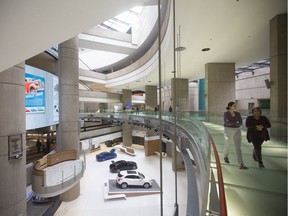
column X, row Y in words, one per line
column 128, row 106
column 41, row 98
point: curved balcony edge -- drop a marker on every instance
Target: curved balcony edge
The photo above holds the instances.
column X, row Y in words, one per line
column 54, row 190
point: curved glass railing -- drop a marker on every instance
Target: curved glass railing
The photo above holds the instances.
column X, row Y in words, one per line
column 60, row 173
column 56, row 173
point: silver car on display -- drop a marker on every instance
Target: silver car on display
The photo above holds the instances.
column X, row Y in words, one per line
column 133, row 178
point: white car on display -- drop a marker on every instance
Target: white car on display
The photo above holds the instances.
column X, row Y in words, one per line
column 133, row 178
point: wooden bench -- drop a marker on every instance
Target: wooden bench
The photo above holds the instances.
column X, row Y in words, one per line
column 127, row 150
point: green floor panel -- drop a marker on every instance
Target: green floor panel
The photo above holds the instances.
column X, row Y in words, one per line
column 256, row 191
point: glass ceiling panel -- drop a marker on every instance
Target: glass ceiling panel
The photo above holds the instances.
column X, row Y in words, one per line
column 87, row 58
column 249, row 68
column 122, row 22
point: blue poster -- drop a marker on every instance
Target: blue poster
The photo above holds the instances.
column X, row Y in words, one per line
column 35, row 93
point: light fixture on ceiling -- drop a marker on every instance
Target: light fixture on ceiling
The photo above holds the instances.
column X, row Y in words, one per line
column 180, row 48
column 205, row 49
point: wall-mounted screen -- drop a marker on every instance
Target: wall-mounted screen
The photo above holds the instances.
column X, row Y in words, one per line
column 42, row 98
column 128, row 106
column 34, row 93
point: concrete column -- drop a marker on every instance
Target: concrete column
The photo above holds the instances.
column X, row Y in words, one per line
column 219, row 86
column 179, row 166
column 81, row 107
column 13, row 122
column 68, row 129
column 127, row 134
column 180, row 93
column 278, row 76
column 278, row 67
column 126, row 97
column 151, row 97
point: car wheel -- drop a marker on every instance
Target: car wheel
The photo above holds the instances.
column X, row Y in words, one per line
column 146, row 185
column 124, row 185
column 134, row 167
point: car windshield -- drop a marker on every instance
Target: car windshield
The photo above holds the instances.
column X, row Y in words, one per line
column 141, row 175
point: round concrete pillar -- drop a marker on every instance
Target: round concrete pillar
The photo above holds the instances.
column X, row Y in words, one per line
column 12, row 140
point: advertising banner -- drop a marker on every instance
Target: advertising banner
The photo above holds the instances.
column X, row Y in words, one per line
column 34, row 93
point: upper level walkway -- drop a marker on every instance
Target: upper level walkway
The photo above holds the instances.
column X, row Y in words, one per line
column 256, row 191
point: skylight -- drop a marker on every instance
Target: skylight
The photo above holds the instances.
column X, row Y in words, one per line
column 250, row 68
column 122, row 22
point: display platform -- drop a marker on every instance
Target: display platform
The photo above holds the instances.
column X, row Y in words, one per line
column 113, row 191
column 108, row 196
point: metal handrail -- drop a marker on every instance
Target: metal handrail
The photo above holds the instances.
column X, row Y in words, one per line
column 222, row 198
column 72, row 171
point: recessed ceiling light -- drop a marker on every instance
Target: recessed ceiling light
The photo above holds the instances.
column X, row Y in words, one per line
column 205, row 49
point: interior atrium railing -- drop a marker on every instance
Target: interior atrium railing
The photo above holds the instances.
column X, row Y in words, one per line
column 56, row 173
